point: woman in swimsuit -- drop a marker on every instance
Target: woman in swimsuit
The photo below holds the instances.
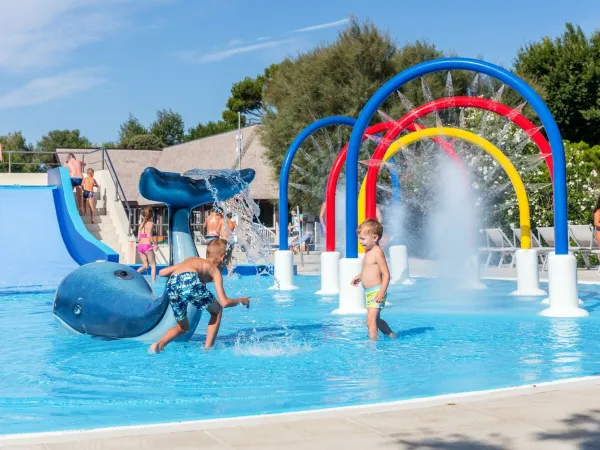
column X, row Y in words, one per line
column 597, row 221
column 147, row 243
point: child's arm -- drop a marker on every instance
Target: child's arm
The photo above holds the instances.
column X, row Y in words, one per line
column 225, row 302
column 96, row 184
column 385, row 275
column 167, row 271
column 151, row 237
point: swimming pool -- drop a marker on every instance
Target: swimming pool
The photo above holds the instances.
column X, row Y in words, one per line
column 286, row 353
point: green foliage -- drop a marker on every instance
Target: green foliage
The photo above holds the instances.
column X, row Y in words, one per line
column 144, row 142
column 168, row 127
column 566, row 72
column 210, row 128
column 30, row 161
column 63, row 139
column 333, row 80
column 247, row 97
column 131, row 127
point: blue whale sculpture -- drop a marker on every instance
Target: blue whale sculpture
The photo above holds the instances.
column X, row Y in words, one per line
column 111, row 300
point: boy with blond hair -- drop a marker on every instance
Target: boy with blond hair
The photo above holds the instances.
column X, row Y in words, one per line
column 187, row 284
column 375, row 276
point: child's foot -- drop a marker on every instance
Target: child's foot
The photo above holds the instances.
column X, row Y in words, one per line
column 155, row 348
column 92, row 221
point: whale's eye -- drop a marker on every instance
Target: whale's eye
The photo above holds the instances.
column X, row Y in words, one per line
column 123, row 275
column 77, row 310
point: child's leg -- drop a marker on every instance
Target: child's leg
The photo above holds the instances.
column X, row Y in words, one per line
column 172, row 334
column 372, row 320
column 384, row 327
column 152, row 261
column 212, row 329
column 144, row 259
column 79, row 199
column 91, row 202
column 82, row 203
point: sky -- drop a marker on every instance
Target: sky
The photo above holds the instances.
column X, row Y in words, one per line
column 88, row 64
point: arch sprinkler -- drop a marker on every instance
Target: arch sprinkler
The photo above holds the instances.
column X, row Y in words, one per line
column 562, row 267
column 284, row 258
column 330, row 257
column 453, row 102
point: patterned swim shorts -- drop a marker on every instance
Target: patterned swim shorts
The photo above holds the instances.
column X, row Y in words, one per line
column 371, row 294
column 184, row 288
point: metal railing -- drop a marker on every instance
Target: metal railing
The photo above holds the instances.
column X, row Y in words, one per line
column 44, row 163
column 119, row 192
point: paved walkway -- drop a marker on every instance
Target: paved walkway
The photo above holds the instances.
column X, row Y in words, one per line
column 550, row 416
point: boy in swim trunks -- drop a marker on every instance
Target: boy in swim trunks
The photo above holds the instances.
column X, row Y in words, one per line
column 88, row 184
column 375, row 276
column 187, row 284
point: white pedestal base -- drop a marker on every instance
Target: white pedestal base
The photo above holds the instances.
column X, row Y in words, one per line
column 473, row 279
column 528, row 279
column 352, row 299
column 330, row 273
column 562, row 287
column 546, row 301
column 399, row 265
column 284, row 270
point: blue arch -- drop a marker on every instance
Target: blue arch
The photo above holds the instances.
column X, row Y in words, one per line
column 534, row 100
column 284, row 175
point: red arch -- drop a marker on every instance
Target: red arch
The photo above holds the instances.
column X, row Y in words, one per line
column 393, row 128
column 444, row 103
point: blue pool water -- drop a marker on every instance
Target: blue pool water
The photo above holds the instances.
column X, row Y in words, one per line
column 286, row 353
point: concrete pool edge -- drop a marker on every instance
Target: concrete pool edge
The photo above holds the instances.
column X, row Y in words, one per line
column 57, row 437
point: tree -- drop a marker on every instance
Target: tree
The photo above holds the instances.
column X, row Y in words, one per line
column 333, row 80
column 62, row 139
column 247, row 97
column 144, row 142
column 131, row 127
column 211, row 128
column 566, row 72
column 20, row 162
column 168, row 127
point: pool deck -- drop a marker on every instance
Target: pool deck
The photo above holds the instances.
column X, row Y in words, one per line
column 557, row 415
column 560, row 415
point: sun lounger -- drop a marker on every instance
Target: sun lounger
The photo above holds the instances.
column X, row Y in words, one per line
column 498, row 243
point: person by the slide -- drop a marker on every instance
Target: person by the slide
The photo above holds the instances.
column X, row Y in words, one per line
column 76, row 173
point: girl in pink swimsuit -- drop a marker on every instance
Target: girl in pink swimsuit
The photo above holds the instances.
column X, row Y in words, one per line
column 147, row 244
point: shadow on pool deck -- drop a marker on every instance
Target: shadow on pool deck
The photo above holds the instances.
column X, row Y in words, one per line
column 581, row 431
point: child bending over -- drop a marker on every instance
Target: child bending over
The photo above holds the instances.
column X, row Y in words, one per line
column 187, row 284
column 375, row 276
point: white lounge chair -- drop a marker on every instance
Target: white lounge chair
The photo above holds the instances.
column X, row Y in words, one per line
column 585, row 241
column 535, row 244
column 498, row 243
column 546, row 234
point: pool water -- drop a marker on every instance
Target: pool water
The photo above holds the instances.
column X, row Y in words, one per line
column 286, row 353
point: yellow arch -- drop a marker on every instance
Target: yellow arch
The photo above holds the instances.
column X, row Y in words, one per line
column 491, row 149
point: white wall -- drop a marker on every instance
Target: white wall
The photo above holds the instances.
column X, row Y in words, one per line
column 24, row 179
column 116, row 213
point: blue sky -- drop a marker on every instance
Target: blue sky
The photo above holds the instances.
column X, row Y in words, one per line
column 88, row 63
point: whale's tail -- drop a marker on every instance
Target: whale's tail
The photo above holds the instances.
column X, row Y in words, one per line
column 183, row 192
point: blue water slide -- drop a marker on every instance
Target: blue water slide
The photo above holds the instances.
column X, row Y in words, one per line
column 81, row 245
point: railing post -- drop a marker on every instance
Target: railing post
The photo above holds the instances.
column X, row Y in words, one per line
column 9, row 162
column 102, row 157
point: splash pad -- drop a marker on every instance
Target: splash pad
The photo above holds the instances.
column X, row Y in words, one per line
column 563, row 297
